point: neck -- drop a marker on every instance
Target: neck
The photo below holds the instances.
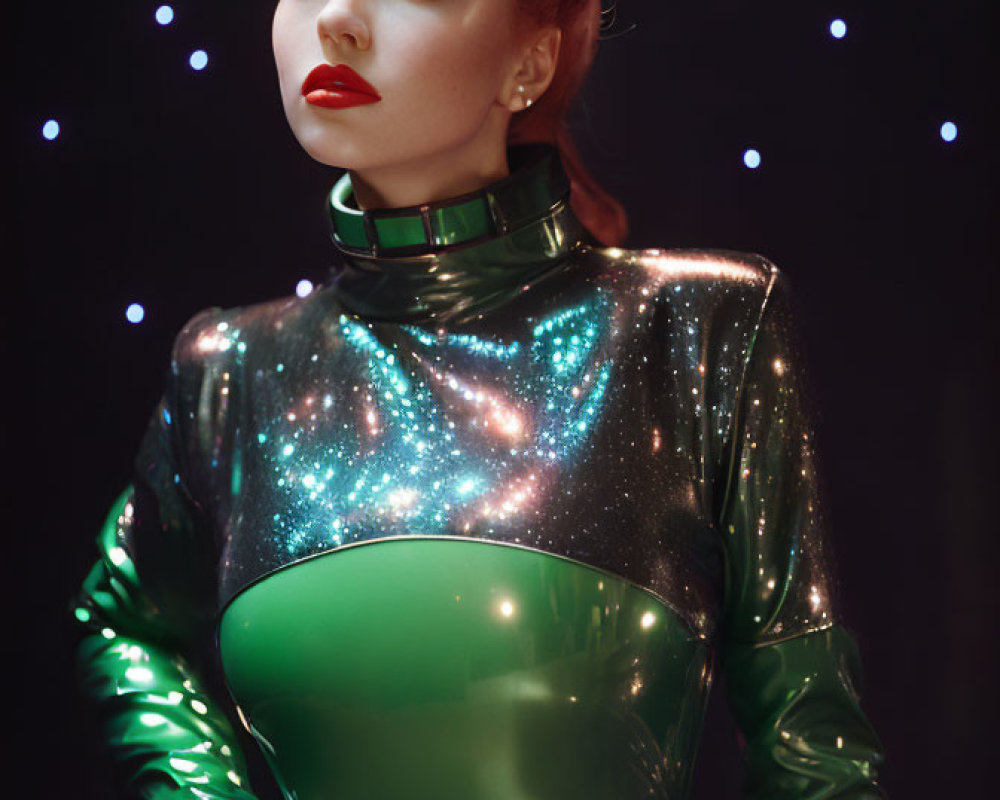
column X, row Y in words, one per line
column 456, row 171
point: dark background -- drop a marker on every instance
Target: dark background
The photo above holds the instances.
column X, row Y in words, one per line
column 183, row 190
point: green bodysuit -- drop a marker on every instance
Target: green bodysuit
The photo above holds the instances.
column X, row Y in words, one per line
column 475, row 521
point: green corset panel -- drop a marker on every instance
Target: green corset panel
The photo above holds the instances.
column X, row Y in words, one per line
column 463, row 670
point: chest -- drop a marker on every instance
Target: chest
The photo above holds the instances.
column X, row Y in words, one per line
column 548, row 437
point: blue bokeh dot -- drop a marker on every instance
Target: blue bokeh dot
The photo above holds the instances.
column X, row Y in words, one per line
column 838, row 29
column 135, row 313
column 198, row 60
column 164, row 15
column 50, row 130
column 752, row 159
column 949, row 131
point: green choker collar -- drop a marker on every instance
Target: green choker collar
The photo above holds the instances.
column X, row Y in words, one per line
column 454, row 262
column 535, row 187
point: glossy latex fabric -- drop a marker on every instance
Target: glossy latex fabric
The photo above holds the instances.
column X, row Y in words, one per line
column 476, row 670
column 561, row 416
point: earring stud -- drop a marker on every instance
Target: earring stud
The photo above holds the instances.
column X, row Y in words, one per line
column 527, row 101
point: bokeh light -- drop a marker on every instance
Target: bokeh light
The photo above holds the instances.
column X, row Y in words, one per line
column 304, row 288
column 164, row 15
column 752, row 159
column 135, row 313
column 838, row 29
column 50, row 130
column 949, row 131
column 198, row 60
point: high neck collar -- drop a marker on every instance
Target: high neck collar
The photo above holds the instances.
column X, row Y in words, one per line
column 454, row 260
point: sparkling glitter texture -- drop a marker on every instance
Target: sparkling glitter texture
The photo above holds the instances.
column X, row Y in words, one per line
column 647, row 419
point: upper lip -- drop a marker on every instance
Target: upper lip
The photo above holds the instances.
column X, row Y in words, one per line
column 335, row 77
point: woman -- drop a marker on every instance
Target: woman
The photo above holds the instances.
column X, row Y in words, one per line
column 475, row 519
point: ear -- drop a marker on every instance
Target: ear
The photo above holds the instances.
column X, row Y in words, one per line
column 535, row 71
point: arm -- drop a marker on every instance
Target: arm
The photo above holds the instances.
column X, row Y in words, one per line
column 141, row 612
column 791, row 671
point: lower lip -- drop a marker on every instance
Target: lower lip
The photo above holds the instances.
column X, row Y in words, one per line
column 339, row 98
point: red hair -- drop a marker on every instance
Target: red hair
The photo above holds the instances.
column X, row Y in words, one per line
column 545, row 120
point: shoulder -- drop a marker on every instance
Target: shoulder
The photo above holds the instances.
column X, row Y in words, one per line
column 690, row 268
column 690, row 281
column 218, row 338
column 212, row 355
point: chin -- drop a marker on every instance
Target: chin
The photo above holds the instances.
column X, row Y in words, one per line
column 325, row 146
column 326, row 155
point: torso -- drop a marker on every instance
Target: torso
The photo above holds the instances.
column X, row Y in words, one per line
column 578, row 435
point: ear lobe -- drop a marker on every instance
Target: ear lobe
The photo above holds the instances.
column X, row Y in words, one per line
column 520, row 100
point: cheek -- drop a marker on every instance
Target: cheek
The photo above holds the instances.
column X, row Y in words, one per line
column 452, row 73
column 288, row 32
column 278, row 35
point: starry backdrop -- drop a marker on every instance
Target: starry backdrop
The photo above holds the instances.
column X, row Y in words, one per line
column 853, row 143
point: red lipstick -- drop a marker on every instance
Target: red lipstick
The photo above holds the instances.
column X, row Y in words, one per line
column 337, row 87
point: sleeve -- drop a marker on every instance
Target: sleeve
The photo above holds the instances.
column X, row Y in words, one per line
column 791, row 671
column 140, row 616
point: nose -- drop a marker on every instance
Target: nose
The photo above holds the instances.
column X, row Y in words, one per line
column 340, row 24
